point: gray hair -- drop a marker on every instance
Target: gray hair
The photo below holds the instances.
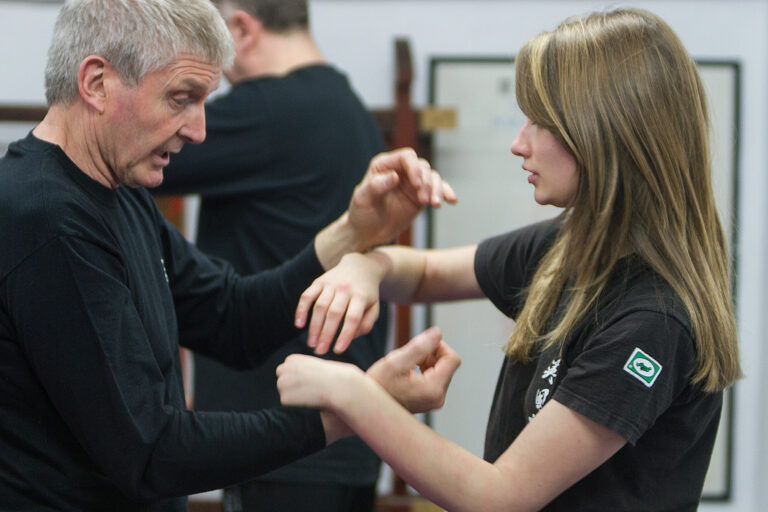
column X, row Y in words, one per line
column 278, row 16
column 135, row 36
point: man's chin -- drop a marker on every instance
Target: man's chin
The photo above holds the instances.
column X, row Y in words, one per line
column 156, row 179
column 149, row 179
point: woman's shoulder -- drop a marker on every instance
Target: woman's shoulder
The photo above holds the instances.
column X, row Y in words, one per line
column 525, row 243
column 506, row 263
column 635, row 288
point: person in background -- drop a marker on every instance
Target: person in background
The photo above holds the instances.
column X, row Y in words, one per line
column 97, row 289
column 285, row 147
column 611, row 391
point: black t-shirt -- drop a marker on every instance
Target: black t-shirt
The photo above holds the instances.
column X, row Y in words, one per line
column 626, row 366
column 280, row 161
column 95, row 291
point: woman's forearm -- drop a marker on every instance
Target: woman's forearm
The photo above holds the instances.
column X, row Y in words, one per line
column 413, row 275
column 403, row 271
column 440, row 470
column 522, row 478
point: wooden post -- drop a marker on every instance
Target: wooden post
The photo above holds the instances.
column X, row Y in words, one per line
column 400, row 127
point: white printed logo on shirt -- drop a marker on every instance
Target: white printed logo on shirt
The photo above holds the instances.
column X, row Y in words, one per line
column 551, row 372
column 541, row 397
column 643, row 367
column 549, row 375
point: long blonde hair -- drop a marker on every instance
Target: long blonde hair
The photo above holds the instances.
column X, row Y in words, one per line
column 619, row 90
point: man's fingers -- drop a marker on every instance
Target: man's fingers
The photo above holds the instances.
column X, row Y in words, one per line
column 427, row 184
column 305, row 303
column 332, row 319
column 448, row 361
column 449, row 195
column 416, row 350
column 352, row 320
column 318, row 315
column 369, row 318
column 416, row 170
column 402, row 158
column 419, row 174
column 384, row 181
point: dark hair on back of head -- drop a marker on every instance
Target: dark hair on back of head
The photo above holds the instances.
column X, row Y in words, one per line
column 276, row 15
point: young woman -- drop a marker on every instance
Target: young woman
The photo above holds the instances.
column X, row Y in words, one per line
column 611, row 390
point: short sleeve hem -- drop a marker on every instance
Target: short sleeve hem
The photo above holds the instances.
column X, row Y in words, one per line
column 598, row 414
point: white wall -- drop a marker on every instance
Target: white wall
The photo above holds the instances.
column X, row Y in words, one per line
column 25, row 33
column 358, row 34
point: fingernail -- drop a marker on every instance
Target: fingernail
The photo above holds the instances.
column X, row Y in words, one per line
column 312, row 341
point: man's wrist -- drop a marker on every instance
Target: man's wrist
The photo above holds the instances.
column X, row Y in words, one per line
column 336, row 240
column 334, row 428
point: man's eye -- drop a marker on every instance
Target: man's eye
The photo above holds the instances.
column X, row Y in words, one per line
column 180, row 101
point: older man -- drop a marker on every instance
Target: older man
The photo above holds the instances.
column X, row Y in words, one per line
column 96, row 288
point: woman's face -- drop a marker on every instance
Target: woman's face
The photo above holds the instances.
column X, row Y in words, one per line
column 552, row 166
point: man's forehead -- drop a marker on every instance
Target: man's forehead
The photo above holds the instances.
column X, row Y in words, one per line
column 190, row 72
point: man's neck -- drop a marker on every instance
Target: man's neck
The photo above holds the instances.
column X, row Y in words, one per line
column 279, row 54
column 62, row 127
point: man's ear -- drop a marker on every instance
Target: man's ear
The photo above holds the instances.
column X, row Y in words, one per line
column 246, row 30
column 91, row 81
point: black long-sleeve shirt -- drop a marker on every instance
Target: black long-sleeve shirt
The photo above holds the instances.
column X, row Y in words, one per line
column 95, row 290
